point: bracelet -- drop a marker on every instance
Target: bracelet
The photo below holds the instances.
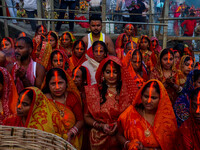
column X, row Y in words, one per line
column 94, row 123
column 126, row 143
column 180, row 89
column 74, row 130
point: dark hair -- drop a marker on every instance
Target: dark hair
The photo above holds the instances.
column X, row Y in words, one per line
column 155, row 85
column 196, row 75
column 102, row 44
column 7, row 39
column 104, row 89
column 1, row 78
column 29, row 94
column 187, row 59
column 148, row 40
column 50, row 74
column 123, row 39
column 192, row 14
column 177, row 51
column 18, row 33
column 165, row 51
column 38, row 27
column 77, row 42
column 54, row 36
column 27, row 40
column 197, row 64
column 180, row 48
column 84, row 73
column 129, row 42
column 194, row 93
column 135, row 52
column 95, row 17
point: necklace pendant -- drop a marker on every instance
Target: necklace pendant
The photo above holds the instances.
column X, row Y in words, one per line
column 147, row 133
column 62, row 114
column 110, row 95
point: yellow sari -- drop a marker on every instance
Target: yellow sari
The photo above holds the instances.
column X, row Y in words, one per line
column 45, row 115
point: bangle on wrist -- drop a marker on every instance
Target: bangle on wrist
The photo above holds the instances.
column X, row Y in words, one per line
column 126, row 144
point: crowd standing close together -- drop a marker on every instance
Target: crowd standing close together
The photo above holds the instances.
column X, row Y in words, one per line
column 134, row 95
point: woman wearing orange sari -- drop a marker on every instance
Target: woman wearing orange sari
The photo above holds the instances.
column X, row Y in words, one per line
column 189, row 132
column 121, row 41
column 149, row 123
column 67, row 40
column 34, row 110
column 78, row 53
column 7, row 43
column 148, row 55
column 105, row 101
column 8, row 95
column 166, row 72
column 63, row 93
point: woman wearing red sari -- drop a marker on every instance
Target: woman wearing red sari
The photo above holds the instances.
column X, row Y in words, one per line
column 130, row 30
column 58, row 59
column 78, row 53
column 121, row 41
column 106, row 100
column 166, row 72
column 149, row 123
column 189, row 132
column 7, row 53
column 148, row 55
column 8, row 95
column 136, row 68
column 53, row 39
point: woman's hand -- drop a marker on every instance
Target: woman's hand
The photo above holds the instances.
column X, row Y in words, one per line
column 140, row 146
column 113, row 128
column 70, row 135
column 105, row 128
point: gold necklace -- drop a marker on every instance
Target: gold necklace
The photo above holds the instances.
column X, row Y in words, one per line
column 147, row 133
column 62, row 112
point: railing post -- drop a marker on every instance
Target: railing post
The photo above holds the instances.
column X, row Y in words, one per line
column 52, row 14
column 165, row 28
column 150, row 18
column 5, row 20
column 39, row 10
column 103, row 14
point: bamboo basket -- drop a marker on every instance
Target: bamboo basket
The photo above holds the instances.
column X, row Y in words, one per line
column 20, row 138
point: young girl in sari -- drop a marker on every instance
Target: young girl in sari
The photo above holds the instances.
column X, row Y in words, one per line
column 8, row 95
column 156, row 47
column 148, row 56
column 149, row 123
column 121, row 41
column 41, row 30
column 177, row 58
column 186, row 65
column 105, row 101
column 78, row 53
column 189, row 133
column 182, row 104
column 67, row 40
column 63, row 94
column 166, row 72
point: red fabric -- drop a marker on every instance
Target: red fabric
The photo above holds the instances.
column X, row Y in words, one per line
column 189, row 136
column 82, row 24
column 13, row 120
column 74, row 104
column 76, row 61
column 190, row 25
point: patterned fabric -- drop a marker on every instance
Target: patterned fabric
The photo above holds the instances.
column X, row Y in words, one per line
column 109, row 111
column 9, row 95
column 189, row 135
column 182, row 63
column 119, row 41
column 163, row 133
column 44, row 54
column 29, row 74
column 176, row 75
column 182, row 104
column 44, row 115
column 158, row 48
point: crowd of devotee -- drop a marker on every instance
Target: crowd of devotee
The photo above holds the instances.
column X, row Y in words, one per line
column 99, row 95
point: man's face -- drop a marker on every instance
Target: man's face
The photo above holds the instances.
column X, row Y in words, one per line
column 95, row 26
column 22, row 50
